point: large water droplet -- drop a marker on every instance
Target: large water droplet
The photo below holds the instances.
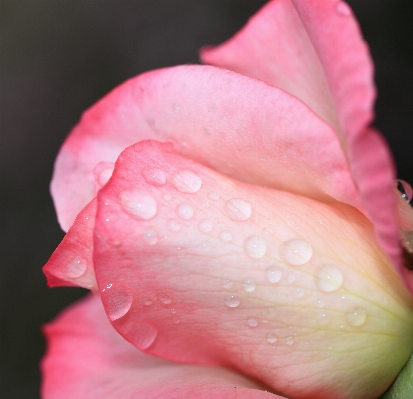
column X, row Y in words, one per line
column 356, row 317
column 104, row 176
column 186, row 181
column 117, row 300
column 271, row 338
column 185, row 211
column 154, row 176
column 173, row 225
column 328, row 278
column 144, row 335
column 76, row 268
column 225, row 236
column 138, row 204
column 289, row 340
column 273, row 274
column 252, row 322
column 205, row 226
column 343, row 9
column 296, row 252
column 237, row 209
column 150, row 236
column 248, row 284
column 232, row 301
column 255, row 247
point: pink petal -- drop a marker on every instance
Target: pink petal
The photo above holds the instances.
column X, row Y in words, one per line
column 72, row 262
column 196, row 267
column 237, row 125
column 87, row 359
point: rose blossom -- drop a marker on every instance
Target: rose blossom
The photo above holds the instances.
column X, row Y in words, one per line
column 243, row 217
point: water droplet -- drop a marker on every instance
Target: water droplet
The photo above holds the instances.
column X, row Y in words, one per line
column 154, row 176
column 356, row 317
column 172, row 225
column 255, row 247
column 147, row 302
column 186, row 181
column 104, row 176
column 138, row 204
column 271, row 338
column 232, row 301
column 185, row 211
column 290, row 278
column 289, row 340
column 165, row 300
column 296, row 252
column 237, row 209
column 213, row 196
column 227, row 284
column 117, row 300
column 225, row 236
column 176, row 320
column 150, row 236
column 166, row 197
column 76, row 268
column 323, row 319
column 298, row 293
column 343, row 9
column 173, row 311
column 205, row 226
column 329, row 278
column 405, row 189
column 176, row 107
column 273, row 274
column 319, row 303
column 144, row 335
column 248, row 284
column 252, row 322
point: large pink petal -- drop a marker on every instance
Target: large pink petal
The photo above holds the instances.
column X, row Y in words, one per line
column 87, row 359
column 196, row 267
column 234, row 124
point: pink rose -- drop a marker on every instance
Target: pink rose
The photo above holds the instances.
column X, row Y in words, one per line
column 240, row 222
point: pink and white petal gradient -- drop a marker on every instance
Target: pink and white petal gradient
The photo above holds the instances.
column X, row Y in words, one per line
column 87, row 359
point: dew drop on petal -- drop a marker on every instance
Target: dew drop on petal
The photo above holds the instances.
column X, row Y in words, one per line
column 166, row 197
column 205, row 225
column 104, row 176
column 237, row 209
column 405, row 189
column 296, row 252
column 165, row 300
column 271, row 338
column 186, row 181
column 255, row 247
column 290, row 278
column 323, row 319
column 76, row 268
column 185, row 211
column 248, row 285
column 213, row 196
column 318, row 303
column 273, row 274
column 328, row 278
column 252, row 322
column 298, row 293
column 356, row 317
column 150, row 236
column 138, row 204
column 154, row 176
column 147, row 302
column 144, row 335
column 225, row 236
column 117, row 300
column 343, row 9
column 289, row 340
column 227, row 284
column 173, row 225
column 232, row 301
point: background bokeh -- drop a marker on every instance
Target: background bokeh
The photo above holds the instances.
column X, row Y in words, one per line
column 58, row 58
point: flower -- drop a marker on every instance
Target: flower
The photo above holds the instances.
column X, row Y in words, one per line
column 241, row 217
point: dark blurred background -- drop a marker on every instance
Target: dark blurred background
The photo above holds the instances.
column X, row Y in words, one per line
column 58, row 58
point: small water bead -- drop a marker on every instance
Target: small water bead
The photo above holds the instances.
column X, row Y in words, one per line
column 319, row 303
column 176, row 320
column 343, row 9
column 138, row 204
column 289, row 340
column 147, row 302
column 298, row 293
column 356, row 317
column 186, row 181
column 105, row 175
column 205, row 226
column 166, row 197
column 76, row 268
column 323, row 319
column 165, row 300
column 232, row 301
column 290, row 278
column 173, row 225
column 296, row 252
column 225, row 236
column 328, row 278
column 154, row 176
column 252, row 322
column 173, row 311
column 255, row 247
column 213, row 196
column 117, row 301
column 248, row 285
column 237, row 209
column 227, row 284
column 273, row 274
column 150, row 236
column 271, row 338
column 185, row 211
column 405, row 189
